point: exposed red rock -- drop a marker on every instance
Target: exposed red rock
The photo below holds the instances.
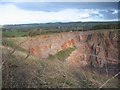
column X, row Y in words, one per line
column 96, row 46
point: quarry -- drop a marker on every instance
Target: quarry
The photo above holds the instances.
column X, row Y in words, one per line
column 67, row 59
column 101, row 47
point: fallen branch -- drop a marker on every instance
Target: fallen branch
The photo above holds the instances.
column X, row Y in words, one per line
column 109, row 80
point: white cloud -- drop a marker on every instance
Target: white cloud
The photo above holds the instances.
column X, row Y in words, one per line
column 10, row 14
column 115, row 12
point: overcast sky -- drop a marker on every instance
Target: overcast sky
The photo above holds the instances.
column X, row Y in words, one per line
column 43, row 12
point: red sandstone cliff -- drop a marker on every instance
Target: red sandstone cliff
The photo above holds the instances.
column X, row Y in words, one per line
column 98, row 47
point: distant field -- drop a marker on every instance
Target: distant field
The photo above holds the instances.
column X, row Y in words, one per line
column 14, row 34
column 38, row 32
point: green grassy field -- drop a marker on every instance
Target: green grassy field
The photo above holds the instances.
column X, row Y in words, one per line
column 14, row 33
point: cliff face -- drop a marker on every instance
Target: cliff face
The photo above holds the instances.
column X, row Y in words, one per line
column 42, row 46
column 96, row 47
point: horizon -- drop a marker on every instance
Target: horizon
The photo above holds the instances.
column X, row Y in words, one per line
column 52, row 12
column 62, row 22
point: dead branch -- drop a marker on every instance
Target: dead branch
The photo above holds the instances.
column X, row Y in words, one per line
column 27, row 55
column 1, row 65
column 12, row 52
column 28, row 50
column 108, row 80
column 106, row 66
column 22, row 42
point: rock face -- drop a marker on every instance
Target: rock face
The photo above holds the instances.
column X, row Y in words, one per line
column 42, row 46
column 96, row 47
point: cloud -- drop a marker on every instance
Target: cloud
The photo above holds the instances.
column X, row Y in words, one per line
column 11, row 14
column 114, row 11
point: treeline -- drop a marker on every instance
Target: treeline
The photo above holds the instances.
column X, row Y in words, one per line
column 108, row 26
column 14, row 31
column 43, row 32
column 58, row 25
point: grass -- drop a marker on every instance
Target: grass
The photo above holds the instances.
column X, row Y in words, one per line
column 12, row 44
column 35, row 73
column 62, row 55
column 14, row 34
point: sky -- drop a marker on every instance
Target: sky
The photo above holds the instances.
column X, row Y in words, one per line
column 59, row 0
column 44, row 12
